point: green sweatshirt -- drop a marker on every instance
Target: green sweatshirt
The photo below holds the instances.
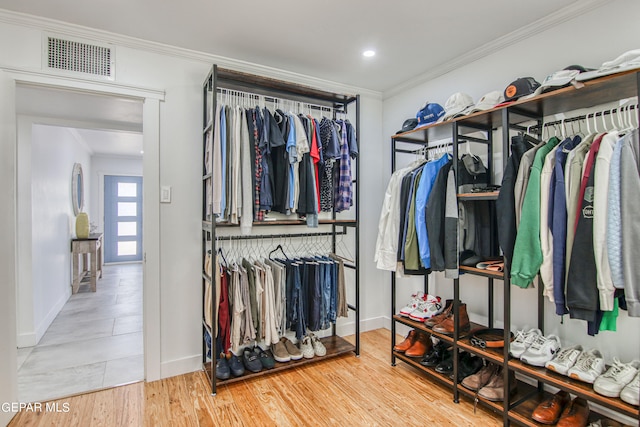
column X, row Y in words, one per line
column 527, row 253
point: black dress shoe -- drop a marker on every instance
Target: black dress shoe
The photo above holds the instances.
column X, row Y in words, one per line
column 446, row 366
column 251, row 360
column 222, row 368
column 436, row 355
column 236, row 366
column 266, row 358
column 468, row 365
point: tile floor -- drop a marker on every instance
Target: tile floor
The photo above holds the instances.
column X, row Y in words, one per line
column 94, row 342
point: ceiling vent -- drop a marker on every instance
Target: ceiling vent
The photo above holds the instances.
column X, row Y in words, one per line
column 80, row 57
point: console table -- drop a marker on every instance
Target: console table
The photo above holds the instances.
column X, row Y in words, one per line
column 85, row 248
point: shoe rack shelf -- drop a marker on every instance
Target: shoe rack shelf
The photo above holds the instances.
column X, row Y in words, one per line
column 335, row 345
column 279, row 90
column 572, row 386
column 504, row 119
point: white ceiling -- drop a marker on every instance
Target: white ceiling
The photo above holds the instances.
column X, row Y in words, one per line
column 323, row 38
column 106, row 125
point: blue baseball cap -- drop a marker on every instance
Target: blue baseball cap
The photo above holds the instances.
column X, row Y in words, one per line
column 429, row 114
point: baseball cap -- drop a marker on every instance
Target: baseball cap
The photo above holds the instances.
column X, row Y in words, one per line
column 560, row 78
column 487, row 102
column 408, row 125
column 627, row 61
column 456, row 105
column 429, row 114
column 520, row 87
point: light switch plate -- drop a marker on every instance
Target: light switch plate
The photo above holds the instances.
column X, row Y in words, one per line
column 165, row 194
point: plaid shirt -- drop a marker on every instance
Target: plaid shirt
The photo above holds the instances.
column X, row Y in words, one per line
column 344, row 189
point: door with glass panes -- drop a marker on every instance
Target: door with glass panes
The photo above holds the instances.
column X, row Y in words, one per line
column 122, row 218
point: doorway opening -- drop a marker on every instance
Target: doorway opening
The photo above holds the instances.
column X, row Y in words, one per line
column 70, row 343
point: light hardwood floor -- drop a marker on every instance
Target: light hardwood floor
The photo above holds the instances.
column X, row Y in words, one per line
column 345, row 391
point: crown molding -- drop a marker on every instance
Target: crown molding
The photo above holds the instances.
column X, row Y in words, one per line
column 73, row 30
column 556, row 18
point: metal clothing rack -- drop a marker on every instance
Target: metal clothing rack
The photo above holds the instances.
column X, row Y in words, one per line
column 502, row 121
column 265, row 89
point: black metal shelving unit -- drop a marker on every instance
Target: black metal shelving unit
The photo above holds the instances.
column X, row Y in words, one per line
column 271, row 89
column 517, row 408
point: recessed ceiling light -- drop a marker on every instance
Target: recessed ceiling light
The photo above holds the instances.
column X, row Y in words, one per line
column 141, row 151
column 369, row 53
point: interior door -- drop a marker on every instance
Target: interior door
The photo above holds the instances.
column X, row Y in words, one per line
column 122, row 218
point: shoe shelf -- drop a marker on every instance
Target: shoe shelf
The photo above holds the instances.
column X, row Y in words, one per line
column 495, row 355
column 430, row 371
column 576, row 387
column 424, row 328
column 335, row 345
column 345, row 222
column 521, row 413
column 490, row 195
column 522, row 392
column 480, row 272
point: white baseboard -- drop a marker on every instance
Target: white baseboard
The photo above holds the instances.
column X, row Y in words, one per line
column 31, row 338
column 181, row 366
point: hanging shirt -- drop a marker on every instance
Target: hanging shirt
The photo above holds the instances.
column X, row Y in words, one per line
column 527, row 253
column 558, row 222
column 429, row 174
column 344, row 190
column 223, row 160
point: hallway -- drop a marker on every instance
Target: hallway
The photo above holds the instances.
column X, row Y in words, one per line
column 94, row 342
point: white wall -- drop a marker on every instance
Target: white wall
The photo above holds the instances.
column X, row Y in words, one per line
column 54, row 152
column 102, row 165
column 588, row 40
column 181, row 77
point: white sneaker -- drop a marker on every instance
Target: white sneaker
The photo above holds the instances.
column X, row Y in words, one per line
column 416, row 299
column 541, row 351
column 631, row 392
column 588, row 367
column 523, row 341
column 564, row 360
column 428, row 308
column 620, row 374
column 318, row 348
column 306, row 347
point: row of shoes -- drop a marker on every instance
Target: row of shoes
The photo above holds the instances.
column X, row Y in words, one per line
column 488, row 382
column 562, row 411
column 428, row 309
column 620, row 380
column 310, row 346
column 253, row 359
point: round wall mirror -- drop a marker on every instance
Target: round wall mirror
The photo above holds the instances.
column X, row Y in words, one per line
column 77, row 189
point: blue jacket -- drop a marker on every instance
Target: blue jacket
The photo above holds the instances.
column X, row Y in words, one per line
column 558, row 223
column 429, row 174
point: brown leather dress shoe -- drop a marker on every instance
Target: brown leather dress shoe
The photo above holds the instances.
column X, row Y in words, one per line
column 446, row 326
column 575, row 414
column 407, row 343
column 548, row 411
column 421, row 345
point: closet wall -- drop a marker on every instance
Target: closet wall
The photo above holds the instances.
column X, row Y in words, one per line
column 180, row 73
column 582, row 40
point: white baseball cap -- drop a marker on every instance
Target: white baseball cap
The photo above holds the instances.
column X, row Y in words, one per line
column 456, row 104
column 487, row 102
column 629, row 60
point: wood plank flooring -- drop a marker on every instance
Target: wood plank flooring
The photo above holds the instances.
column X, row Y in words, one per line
column 363, row 391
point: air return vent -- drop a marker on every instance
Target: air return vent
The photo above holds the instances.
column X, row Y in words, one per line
column 79, row 57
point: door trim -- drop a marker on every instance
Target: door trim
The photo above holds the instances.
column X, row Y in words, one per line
column 151, row 99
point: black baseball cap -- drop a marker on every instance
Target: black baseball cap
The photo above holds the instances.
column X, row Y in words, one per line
column 408, row 125
column 521, row 87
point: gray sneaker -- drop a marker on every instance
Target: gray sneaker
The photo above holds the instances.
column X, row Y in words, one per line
column 294, row 352
column 280, row 353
